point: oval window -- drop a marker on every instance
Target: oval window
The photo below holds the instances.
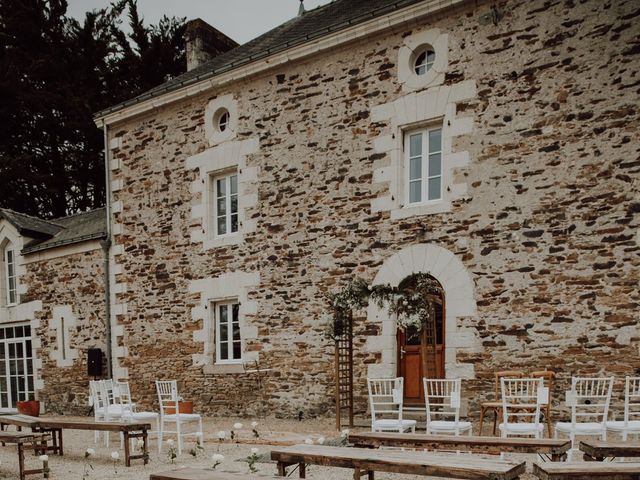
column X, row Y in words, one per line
column 223, row 120
column 424, row 61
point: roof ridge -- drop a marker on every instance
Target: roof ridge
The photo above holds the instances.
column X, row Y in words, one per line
column 81, row 213
column 51, row 222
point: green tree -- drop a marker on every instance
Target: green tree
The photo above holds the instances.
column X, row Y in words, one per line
column 55, row 72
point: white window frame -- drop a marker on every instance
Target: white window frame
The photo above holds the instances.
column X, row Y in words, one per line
column 27, row 377
column 11, row 276
column 425, row 174
column 228, row 304
column 226, row 177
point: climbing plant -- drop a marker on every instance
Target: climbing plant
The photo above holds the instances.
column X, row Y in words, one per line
column 409, row 301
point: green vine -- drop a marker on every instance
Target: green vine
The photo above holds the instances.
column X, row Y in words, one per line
column 409, row 302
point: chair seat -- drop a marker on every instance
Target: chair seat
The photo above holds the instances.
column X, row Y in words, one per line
column 183, row 417
column 392, row 424
column 586, row 428
column 448, row 426
column 619, row 426
column 521, row 428
column 491, row 404
column 141, row 415
column 114, row 410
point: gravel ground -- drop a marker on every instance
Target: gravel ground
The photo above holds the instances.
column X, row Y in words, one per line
column 273, row 432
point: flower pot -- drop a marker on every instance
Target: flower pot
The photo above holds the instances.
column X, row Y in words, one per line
column 29, row 407
column 183, row 407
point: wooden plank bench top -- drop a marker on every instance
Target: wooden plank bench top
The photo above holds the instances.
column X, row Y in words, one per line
column 556, row 448
column 417, row 463
column 599, row 450
column 27, row 441
column 200, row 474
column 587, row 470
column 71, row 424
column 55, row 426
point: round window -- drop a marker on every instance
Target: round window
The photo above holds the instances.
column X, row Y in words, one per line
column 221, row 119
column 424, row 61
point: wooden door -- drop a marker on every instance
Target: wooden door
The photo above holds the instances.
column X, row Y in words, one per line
column 421, row 354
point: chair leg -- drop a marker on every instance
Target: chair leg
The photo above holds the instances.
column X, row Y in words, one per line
column 179, row 437
column 201, row 432
column 160, row 437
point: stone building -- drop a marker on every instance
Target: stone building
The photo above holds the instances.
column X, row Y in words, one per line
column 491, row 145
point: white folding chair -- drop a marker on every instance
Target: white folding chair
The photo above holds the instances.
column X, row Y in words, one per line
column 110, row 410
column 170, row 413
column 385, row 399
column 522, row 399
column 631, row 423
column 589, row 399
column 442, row 401
column 130, row 413
column 96, row 401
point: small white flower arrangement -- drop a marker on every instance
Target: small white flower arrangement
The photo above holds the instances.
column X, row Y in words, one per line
column 253, row 459
column 308, row 441
column 217, row 459
column 171, row 453
column 236, row 430
column 254, row 429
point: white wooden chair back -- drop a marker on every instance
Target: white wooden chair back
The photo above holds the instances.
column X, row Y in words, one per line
column 590, row 399
column 109, row 391
column 442, row 399
column 95, row 390
column 167, row 396
column 124, row 395
column 385, row 398
column 631, row 400
column 517, row 392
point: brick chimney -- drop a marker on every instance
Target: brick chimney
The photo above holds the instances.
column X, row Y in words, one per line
column 204, row 43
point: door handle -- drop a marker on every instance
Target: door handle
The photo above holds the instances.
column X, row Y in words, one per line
column 402, row 352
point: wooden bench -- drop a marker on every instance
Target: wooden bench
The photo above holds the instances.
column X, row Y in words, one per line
column 55, row 425
column 416, row 463
column 554, row 449
column 597, row 450
column 200, row 474
column 27, row 441
column 587, row 471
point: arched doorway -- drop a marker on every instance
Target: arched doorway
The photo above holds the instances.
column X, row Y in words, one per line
column 421, row 351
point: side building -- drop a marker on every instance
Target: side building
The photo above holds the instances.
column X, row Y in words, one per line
column 52, row 308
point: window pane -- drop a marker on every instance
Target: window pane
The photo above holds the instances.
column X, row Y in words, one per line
column 434, row 188
column 235, row 309
column 234, row 184
column 234, row 204
column 415, row 145
column 415, row 168
column 221, row 187
column 431, row 57
column 222, row 225
column 237, row 350
column 234, row 223
column 435, row 165
column 415, row 195
column 224, row 332
column 236, row 331
column 224, row 351
column 435, row 140
column 221, row 205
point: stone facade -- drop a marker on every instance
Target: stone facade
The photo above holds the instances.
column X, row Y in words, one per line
column 540, row 102
column 69, row 285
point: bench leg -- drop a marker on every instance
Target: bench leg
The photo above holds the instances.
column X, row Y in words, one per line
column 127, row 459
column 481, row 419
column 21, row 461
column 60, row 449
column 145, row 445
column 558, row 457
column 282, row 469
column 303, row 470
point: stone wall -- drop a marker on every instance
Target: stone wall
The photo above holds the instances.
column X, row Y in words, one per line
column 71, row 290
column 545, row 225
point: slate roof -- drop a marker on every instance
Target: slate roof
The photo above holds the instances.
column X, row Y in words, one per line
column 60, row 231
column 316, row 23
column 30, row 226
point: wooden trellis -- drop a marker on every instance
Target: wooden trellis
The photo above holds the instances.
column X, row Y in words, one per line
column 344, row 372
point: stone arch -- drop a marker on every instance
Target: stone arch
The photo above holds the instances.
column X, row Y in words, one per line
column 460, row 298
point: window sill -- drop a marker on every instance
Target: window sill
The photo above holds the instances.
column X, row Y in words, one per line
column 223, row 241
column 431, row 208
column 223, row 368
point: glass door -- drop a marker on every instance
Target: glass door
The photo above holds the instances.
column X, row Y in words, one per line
column 16, row 366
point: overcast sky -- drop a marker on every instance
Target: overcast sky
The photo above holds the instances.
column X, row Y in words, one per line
column 241, row 20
